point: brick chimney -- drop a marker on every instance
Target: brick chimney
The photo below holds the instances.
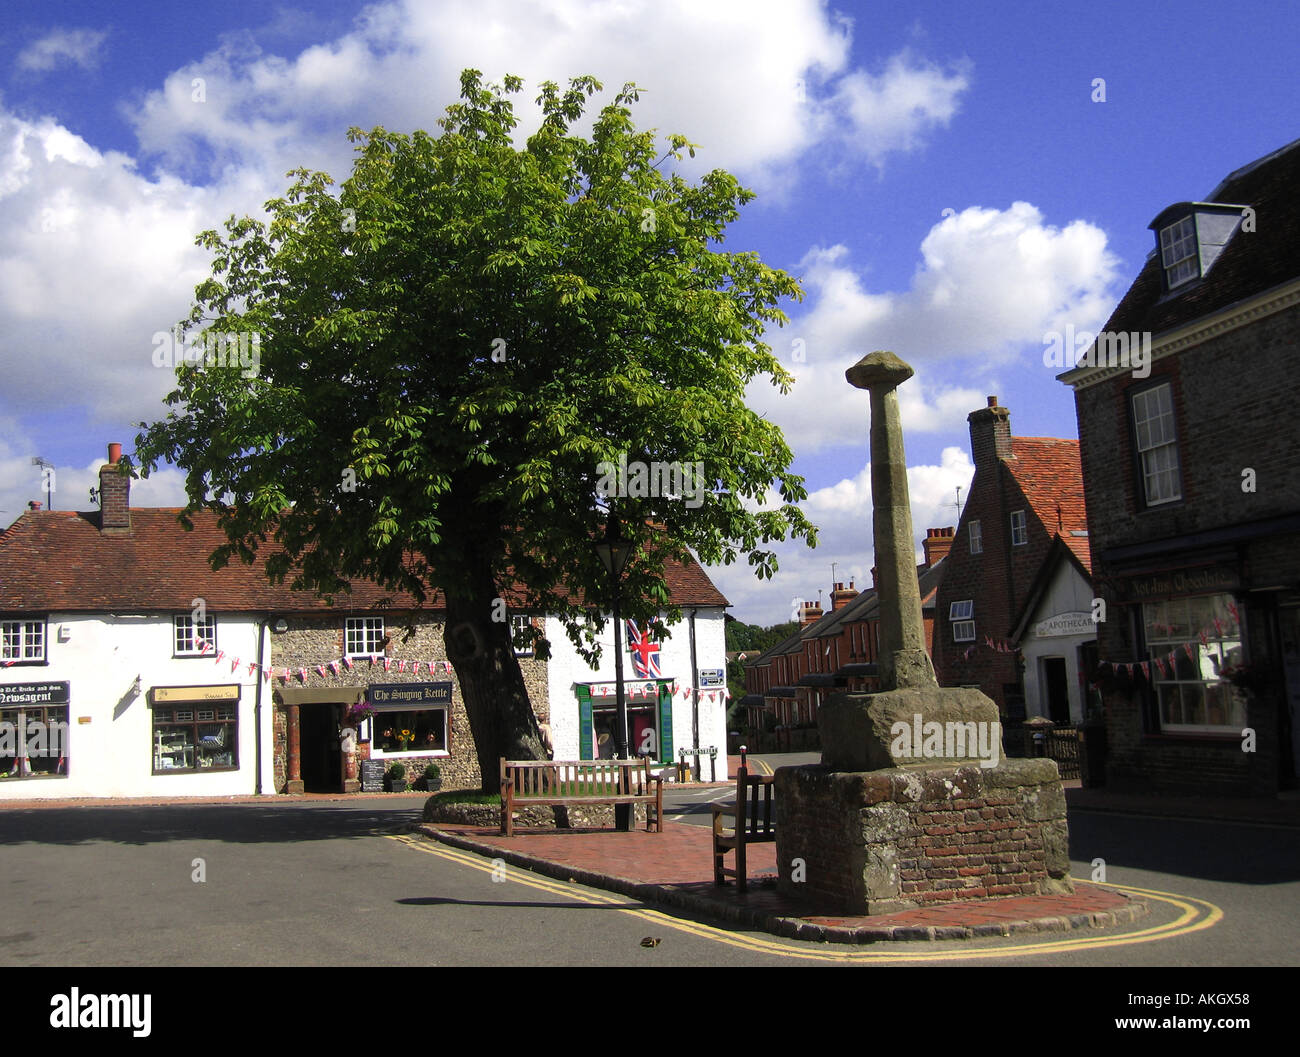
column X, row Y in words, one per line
column 114, row 494
column 810, row 613
column 990, row 433
column 937, row 544
column 842, row 596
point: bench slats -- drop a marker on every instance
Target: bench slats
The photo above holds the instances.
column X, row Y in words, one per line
column 553, row 782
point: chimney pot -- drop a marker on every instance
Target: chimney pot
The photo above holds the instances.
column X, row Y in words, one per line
column 114, row 454
column 993, row 401
column 34, row 504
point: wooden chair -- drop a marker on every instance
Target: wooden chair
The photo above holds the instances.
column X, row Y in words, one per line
column 753, row 823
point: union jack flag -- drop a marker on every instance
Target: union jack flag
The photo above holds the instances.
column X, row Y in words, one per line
column 645, row 654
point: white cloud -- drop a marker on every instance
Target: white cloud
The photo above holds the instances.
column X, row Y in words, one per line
column 80, row 47
column 842, row 513
column 989, row 285
column 96, row 259
column 781, row 83
column 894, row 110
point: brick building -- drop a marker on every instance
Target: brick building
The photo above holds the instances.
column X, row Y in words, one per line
column 1026, row 495
column 1193, row 491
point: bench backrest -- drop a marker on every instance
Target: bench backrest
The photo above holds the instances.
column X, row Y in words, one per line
column 551, row 778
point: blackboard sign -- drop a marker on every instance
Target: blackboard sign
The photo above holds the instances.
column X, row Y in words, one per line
column 372, row 776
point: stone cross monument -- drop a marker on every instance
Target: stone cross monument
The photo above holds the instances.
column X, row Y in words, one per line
column 913, row 803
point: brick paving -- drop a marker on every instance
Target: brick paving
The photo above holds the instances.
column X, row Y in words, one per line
column 675, row 868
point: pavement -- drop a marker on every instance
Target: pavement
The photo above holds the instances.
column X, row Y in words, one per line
column 675, row 869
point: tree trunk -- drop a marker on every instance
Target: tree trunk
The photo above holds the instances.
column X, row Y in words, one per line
column 501, row 717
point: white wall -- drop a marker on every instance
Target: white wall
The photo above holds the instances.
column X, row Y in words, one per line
column 110, row 731
column 566, row 668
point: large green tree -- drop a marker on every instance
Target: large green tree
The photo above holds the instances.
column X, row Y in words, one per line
column 450, row 346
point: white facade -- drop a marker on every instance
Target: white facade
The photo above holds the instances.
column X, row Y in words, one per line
column 112, row 664
column 1060, row 625
column 566, row 671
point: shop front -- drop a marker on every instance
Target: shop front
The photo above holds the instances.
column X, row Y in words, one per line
column 1202, row 708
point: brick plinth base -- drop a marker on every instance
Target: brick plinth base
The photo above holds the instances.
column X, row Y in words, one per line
column 876, row 842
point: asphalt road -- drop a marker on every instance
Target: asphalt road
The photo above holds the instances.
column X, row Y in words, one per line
column 340, row 883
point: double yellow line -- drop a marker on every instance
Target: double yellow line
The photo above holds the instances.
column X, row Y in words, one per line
column 1193, row 916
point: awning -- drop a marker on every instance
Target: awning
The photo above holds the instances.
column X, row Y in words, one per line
column 864, row 670
column 820, row 679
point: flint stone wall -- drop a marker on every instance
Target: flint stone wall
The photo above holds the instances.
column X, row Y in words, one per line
column 580, row 816
column 881, row 841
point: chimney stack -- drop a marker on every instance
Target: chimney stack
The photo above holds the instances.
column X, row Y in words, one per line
column 810, row 614
column 842, row 596
column 937, row 544
column 114, row 494
column 990, row 433
column 33, row 504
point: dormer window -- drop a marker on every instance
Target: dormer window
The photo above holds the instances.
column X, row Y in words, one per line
column 1191, row 237
column 1178, row 252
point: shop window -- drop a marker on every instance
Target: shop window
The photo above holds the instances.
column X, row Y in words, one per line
column 195, row 737
column 22, row 641
column 364, row 636
column 189, row 635
column 33, row 741
column 409, row 731
column 1194, row 692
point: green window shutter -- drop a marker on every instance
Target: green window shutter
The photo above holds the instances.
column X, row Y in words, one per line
column 665, row 723
column 584, row 723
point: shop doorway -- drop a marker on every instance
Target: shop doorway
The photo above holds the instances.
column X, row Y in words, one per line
column 1056, row 688
column 322, row 760
column 1289, row 623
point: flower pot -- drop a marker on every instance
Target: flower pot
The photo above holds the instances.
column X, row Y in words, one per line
column 395, row 785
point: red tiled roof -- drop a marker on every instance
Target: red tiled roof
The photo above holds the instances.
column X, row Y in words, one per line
column 1048, row 471
column 59, row 560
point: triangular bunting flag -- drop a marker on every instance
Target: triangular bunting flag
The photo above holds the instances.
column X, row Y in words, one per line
column 1187, row 648
column 321, row 668
column 302, row 674
column 252, row 666
column 401, row 665
column 334, row 667
column 1160, row 663
column 347, row 663
column 1146, row 670
column 388, row 663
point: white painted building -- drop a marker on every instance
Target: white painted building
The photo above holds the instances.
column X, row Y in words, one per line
column 1058, row 639
column 664, row 713
column 125, row 716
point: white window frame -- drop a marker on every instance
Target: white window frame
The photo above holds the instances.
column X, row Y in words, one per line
column 1179, row 252
column 520, row 621
column 1155, row 438
column 961, row 615
column 364, row 632
column 1019, row 531
column 23, row 641
column 184, row 630
column 377, row 725
column 976, row 536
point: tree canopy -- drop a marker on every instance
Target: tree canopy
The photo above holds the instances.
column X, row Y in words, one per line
column 456, row 345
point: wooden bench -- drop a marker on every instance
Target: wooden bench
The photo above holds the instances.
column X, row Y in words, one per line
column 564, row 782
column 752, row 823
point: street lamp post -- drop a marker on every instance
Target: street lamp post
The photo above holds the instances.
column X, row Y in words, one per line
column 614, row 551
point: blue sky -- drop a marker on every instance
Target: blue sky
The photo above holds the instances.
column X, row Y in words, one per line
column 938, row 176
